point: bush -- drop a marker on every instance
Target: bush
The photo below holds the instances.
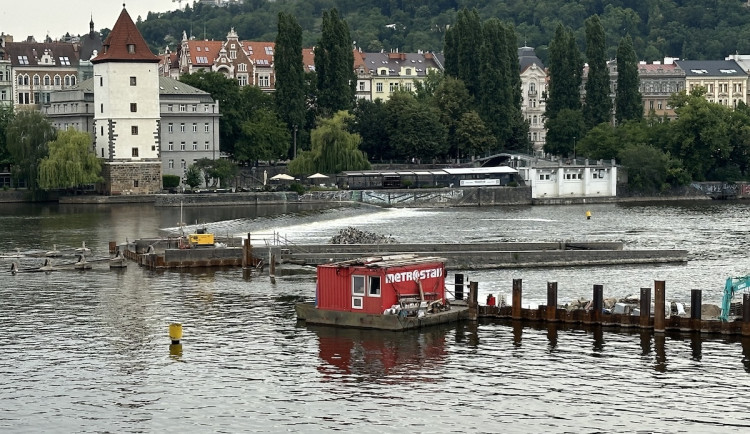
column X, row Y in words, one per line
column 170, row 181
column 297, row 188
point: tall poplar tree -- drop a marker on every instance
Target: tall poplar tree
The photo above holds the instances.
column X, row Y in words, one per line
column 598, row 105
column 519, row 139
column 564, row 98
column 463, row 43
column 496, row 96
column 290, row 73
column 334, row 65
column 565, row 65
column 628, row 101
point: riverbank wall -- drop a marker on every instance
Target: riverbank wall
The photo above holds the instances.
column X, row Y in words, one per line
column 395, row 198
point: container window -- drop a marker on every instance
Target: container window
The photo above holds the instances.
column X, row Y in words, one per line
column 356, row 302
column 374, row 286
column 358, row 285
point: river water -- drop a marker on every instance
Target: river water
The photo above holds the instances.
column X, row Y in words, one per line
column 89, row 351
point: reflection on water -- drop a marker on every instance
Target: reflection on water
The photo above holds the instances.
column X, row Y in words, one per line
column 369, row 354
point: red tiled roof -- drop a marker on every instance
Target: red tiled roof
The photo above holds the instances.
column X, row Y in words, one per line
column 261, row 53
column 308, row 58
column 123, row 34
column 203, row 53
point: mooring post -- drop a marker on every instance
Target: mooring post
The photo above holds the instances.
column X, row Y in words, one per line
column 473, row 300
column 696, row 296
column 551, row 301
column 272, row 265
column 659, row 306
column 645, row 316
column 458, row 288
column 517, row 291
column 247, row 253
column 598, row 304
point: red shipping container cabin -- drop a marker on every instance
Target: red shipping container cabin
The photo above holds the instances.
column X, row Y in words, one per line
column 372, row 285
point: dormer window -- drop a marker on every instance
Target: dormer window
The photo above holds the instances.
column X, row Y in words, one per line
column 131, row 48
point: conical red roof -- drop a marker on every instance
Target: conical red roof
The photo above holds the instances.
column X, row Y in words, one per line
column 125, row 44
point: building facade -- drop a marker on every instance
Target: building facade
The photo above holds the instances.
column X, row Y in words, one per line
column 189, row 126
column 126, row 111
column 189, row 121
column 248, row 62
column 658, row 81
column 724, row 80
column 533, row 91
column 39, row 69
column 389, row 72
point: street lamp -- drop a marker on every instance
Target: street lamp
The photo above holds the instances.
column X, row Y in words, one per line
column 295, row 141
column 574, row 148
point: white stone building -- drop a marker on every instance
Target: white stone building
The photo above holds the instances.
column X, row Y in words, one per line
column 126, row 111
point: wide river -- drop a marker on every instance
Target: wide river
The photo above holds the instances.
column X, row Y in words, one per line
column 89, row 351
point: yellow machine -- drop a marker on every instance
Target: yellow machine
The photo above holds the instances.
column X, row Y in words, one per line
column 201, row 239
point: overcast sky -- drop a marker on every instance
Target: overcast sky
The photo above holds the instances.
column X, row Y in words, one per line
column 54, row 17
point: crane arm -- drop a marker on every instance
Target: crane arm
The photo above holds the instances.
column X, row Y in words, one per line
column 731, row 287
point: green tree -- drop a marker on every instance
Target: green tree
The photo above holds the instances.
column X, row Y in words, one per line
column 369, row 118
column 27, row 137
column 563, row 132
column 652, row 170
column 334, row 149
column 496, row 96
column 227, row 92
column 70, row 162
column 453, row 100
column 473, row 138
column 701, row 134
column 563, row 99
column 222, row 171
column 290, row 74
column 193, row 176
column 204, row 166
column 463, row 43
column 565, row 66
column 415, row 129
column 264, row 137
column 334, row 60
column 598, row 106
column 6, row 116
column 628, row 101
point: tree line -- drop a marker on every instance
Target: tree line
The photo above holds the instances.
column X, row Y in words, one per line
column 688, row 29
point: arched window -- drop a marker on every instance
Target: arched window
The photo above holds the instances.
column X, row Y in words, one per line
column 67, row 80
column 73, row 80
column 46, row 80
column 532, row 87
column 57, row 80
column 36, row 80
column 20, row 80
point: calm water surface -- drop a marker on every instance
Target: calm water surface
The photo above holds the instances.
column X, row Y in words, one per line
column 89, row 352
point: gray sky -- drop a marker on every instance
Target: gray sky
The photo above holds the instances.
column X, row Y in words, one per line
column 55, row 17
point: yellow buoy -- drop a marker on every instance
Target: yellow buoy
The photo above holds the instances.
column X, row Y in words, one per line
column 175, row 332
column 588, row 215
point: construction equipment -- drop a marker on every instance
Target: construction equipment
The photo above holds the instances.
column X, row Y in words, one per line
column 201, row 238
column 733, row 285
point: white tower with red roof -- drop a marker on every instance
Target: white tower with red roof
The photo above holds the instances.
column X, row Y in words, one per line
column 126, row 119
